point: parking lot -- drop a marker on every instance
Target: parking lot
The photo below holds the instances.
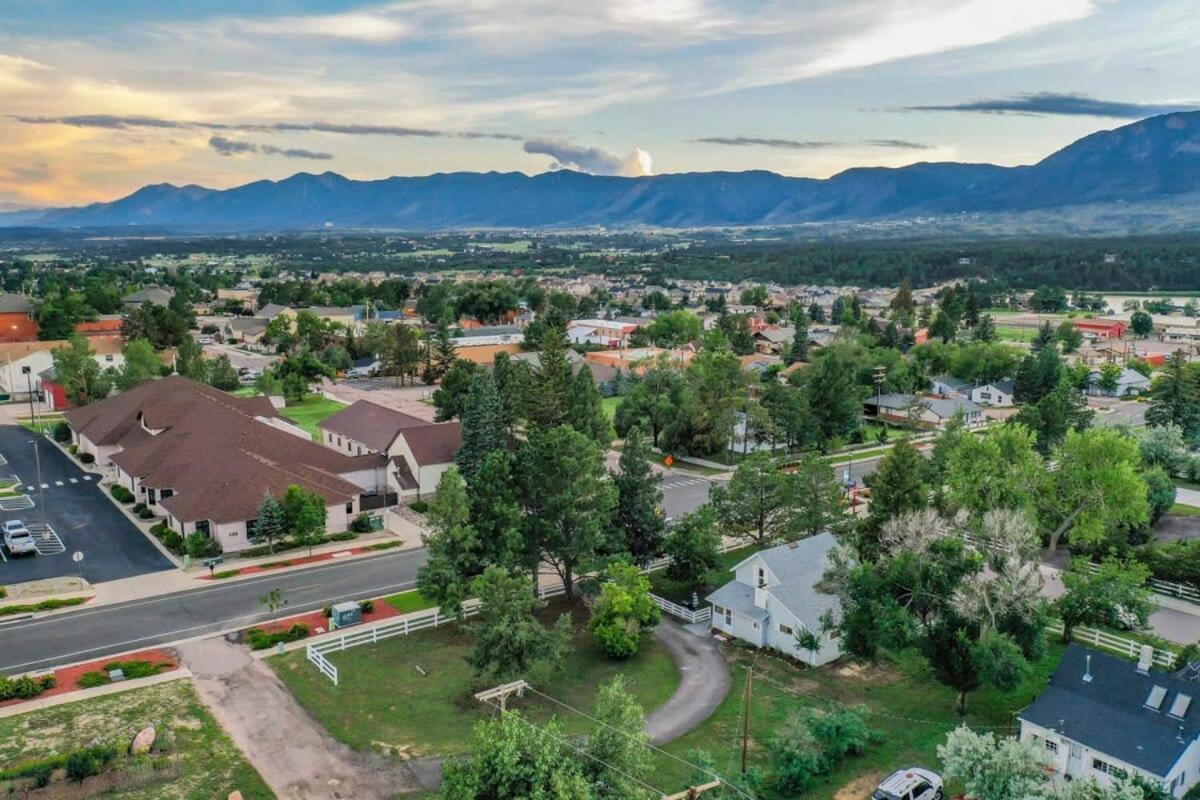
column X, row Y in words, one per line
column 67, row 512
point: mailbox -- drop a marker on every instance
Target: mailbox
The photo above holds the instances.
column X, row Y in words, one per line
column 345, row 614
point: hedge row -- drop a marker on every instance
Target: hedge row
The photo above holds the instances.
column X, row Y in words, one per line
column 131, row 670
column 259, row 639
column 78, row 764
column 26, row 687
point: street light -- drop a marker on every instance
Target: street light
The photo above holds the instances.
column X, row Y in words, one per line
column 41, row 496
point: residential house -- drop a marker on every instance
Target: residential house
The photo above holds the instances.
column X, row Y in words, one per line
column 105, row 325
column 17, row 323
column 416, row 451
column 247, row 330
column 1102, row 717
column 773, row 600
column 773, row 338
column 606, row 333
column 247, row 297
column 203, row 460
column 153, row 295
column 924, row 412
column 483, row 348
column 949, row 386
column 1181, row 335
column 996, row 393
column 1130, row 383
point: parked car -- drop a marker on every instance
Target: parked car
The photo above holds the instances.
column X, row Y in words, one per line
column 205, row 340
column 249, row 377
column 913, row 783
column 17, row 539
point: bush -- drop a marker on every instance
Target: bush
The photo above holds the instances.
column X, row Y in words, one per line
column 367, row 606
column 121, row 494
column 87, row 458
column 344, row 536
column 89, row 761
column 61, row 432
column 25, row 687
column 139, row 507
column 160, row 529
column 361, row 523
column 136, row 669
column 200, row 546
column 145, row 513
column 173, row 542
column 90, row 680
column 419, row 506
column 73, row 449
column 261, row 640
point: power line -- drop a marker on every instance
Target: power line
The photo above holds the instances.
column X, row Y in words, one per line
column 563, row 741
column 645, row 743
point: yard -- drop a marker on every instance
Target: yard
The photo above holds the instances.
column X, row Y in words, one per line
column 1015, row 333
column 911, row 711
column 411, row 696
column 210, row 765
column 609, row 404
column 677, row 592
column 311, row 410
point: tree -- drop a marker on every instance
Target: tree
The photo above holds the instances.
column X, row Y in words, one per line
column 1068, row 336
column 272, row 520
column 189, row 360
column 496, row 514
column 295, row 388
column 268, row 384
column 800, row 344
column 1000, row 469
column 831, row 394
column 1097, row 488
column 1038, row 375
column 897, row 487
column 78, row 371
column 568, row 500
column 1063, row 410
column 985, row 330
column 507, row 638
column 402, row 355
column 1115, row 595
column 441, row 354
column 713, row 385
column 455, row 553
column 673, row 329
column 623, row 611
column 141, row 365
column 1175, row 398
column 1160, row 492
column 757, row 502
column 1164, row 446
column 1109, row 379
column 620, row 760
column 818, row 498
column 222, row 375
column 693, row 547
column 451, row 396
column 483, row 428
column 654, row 399
column 1141, row 323
column 991, row 768
column 514, row 759
column 305, row 512
column 552, row 381
column 585, row 411
column 638, row 517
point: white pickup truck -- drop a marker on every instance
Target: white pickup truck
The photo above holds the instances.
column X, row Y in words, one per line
column 18, row 541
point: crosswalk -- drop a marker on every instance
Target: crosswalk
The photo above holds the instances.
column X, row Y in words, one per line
column 32, row 487
column 675, row 483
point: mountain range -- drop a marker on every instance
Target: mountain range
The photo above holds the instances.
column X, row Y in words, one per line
column 1132, row 169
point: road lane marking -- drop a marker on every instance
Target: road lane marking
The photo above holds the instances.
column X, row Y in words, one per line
column 74, row 480
column 45, row 486
column 378, row 591
column 58, row 483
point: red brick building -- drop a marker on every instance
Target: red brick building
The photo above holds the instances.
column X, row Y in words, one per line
column 1101, row 328
column 16, row 319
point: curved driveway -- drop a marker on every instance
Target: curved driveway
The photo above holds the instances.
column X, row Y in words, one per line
column 705, row 683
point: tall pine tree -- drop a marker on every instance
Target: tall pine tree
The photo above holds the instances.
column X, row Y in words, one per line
column 799, row 348
column 638, row 519
column 552, row 381
column 483, row 428
column 585, row 410
column 441, row 354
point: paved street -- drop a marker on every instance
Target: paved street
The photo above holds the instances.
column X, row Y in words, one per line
column 240, row 358
column 80, row 515
column 684, row 492
column 1119, row 412
column 91, row 633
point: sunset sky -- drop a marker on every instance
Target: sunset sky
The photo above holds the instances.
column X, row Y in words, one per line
column 100, row 98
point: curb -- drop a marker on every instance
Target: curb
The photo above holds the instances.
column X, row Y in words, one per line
column 179, row 673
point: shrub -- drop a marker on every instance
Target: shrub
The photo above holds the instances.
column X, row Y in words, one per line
column 73, row 449
column 173, row 542
column 139, row 507
column 160, row 529
column 42, row 605
column 90, row 680
column 89, row 761
column 61, row 432
column 327, row 611
column 367, row 606
column 200, row 546
column 121, row 494
column 3, row 593
column 419, row 506
column 344, row 536
column 361, row 523
column 145, row 513
column 87, row 458
column 136, row 669
column 25, row 687
column 261, row 640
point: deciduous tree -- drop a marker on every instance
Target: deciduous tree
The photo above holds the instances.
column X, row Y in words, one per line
column 623, row 612
column 507, row 638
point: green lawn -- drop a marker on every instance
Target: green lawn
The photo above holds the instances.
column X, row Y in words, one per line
column 311, row 410
column 1184, row 510
column 677, row 592
column 211, row 765
column 385, row 703
column 1015, row 333
column 609, row 404
column 408, row 602
column 245, row 391
column 911, row 710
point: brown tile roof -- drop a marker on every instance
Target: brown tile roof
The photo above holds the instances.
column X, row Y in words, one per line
column 211, row 450
column 370, row 424
column 434, row 443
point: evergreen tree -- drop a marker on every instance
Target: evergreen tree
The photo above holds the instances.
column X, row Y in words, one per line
column 1175, row 398
column 638, row 517
column 483, row 429
column 441, row 354
column 450, row 397
column 189, row 360
column 222, row 375
column 832, row 395
column 897, row 486
column 455, row 554
column 552, row 381
column 837, row 312
column 1044, row 338
column 272, row 520
column 693, row 545
column 816, row 313
column 508, row 639
column 585, row 410
column 496, row 514
column 1038, row 375
column 800, row 344
column 985, row 329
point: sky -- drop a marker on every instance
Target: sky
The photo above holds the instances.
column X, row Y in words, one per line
column 100, row 98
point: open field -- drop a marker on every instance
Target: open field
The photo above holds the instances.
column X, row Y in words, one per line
column 906, row 705
column 311, row 410
column 1014, row 333
column 386, row 703
column 210, row 765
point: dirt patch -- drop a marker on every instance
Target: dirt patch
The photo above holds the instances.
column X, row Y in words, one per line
column 864, row 672
column 860, row 787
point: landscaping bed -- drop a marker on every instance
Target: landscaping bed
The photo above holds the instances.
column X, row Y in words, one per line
column 410, row 696
column 192, row 758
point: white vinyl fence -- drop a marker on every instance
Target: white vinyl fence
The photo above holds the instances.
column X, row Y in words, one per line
column 1102, row 640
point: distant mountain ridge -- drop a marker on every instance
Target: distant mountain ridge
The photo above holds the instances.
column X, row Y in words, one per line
column 1140, row 164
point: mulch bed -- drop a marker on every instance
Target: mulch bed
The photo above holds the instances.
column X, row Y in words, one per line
column 66, row 679
column 317, row 619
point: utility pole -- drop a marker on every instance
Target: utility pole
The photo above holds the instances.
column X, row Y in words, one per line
column 746, row 718
column 693, row 792
column 41, row 496
column 502, row 693
column 29, row 391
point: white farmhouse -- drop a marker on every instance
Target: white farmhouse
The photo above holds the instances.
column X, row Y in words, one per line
column 996, row 393
column 773, row 598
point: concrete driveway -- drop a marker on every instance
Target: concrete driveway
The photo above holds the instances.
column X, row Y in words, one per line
column 705, row 683
column 71, row 502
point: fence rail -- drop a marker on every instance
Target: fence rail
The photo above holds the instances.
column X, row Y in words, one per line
column 1131, row 648
column 683, row 612
column 1181, row 591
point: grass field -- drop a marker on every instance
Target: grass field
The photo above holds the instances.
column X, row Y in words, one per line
column 245, row 391
column 211, row 766
column 906, row 705
column 311, row 410
column 1184, row 510
column 1015, row 333
column 384, row 703
column 408, row 602
column 609, row 404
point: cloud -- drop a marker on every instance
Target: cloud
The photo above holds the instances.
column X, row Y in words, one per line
column 755, row 141
column 1051, row 103
column 361, row 27
column 593, row 160
column 799, row 144
column 118, row 122
column 232, row 147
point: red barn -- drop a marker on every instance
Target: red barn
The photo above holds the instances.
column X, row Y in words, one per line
column 16, row 319
column 1101, row 328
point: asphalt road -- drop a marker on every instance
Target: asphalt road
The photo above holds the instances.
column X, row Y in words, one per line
column 70, row 637
column 75, row 507
column 683, row 493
